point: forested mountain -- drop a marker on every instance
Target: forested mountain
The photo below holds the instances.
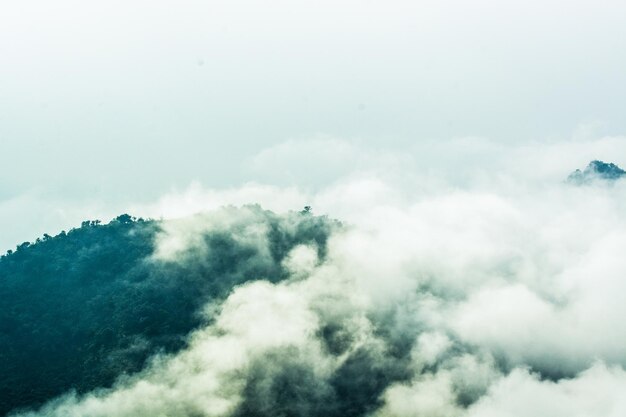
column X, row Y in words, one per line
column 82, row 308
column 596, row 170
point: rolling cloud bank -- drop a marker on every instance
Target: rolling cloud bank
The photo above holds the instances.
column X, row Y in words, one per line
column 492, row 289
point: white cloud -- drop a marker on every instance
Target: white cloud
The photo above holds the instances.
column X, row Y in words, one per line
column 483, row 278
column 596, row 392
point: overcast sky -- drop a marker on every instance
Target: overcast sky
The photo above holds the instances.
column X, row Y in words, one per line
column 115, row 102
column 441, row 131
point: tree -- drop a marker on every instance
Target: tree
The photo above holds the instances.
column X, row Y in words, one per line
column 124, row 218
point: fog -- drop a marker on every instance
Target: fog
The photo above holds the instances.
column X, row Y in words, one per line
column 468, row 277
column 497, row 292
column 106, row 105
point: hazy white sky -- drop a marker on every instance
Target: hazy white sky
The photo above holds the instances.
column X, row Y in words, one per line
column 441, row 130
column 121, row 101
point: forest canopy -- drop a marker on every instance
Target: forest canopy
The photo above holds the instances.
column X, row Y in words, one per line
column 83, row 308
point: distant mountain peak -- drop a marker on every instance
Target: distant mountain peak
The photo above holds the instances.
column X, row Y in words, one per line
column 596, row 170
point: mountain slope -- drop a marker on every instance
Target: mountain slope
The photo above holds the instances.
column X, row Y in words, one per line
column 596, row 170
column 82, row 308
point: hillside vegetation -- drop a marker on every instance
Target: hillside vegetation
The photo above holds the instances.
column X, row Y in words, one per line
column 83, row 308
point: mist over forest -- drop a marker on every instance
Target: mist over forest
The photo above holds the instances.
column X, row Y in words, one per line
column 461, row 303
column 84, row 308
column 339, row 208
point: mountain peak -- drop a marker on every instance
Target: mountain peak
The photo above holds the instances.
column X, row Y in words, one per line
column 596, row 170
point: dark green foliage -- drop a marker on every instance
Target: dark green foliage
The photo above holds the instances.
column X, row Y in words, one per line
column 361, row 380
column 596, row 170
column 284, row 383
column 82, row 308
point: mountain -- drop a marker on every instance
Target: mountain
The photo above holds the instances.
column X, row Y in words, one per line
column 81, row 309
column 596, row 170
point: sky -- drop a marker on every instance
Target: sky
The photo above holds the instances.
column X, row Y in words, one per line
column 106, row 105
column 440, row 132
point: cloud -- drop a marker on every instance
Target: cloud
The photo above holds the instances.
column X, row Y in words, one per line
column 197, row 199
column 318, row 161
column 494, row 294
column 597, row 391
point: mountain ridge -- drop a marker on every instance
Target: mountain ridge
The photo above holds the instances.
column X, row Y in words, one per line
column 594, row 171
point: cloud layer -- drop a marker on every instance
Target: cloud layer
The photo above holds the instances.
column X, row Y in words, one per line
column 494, row 295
